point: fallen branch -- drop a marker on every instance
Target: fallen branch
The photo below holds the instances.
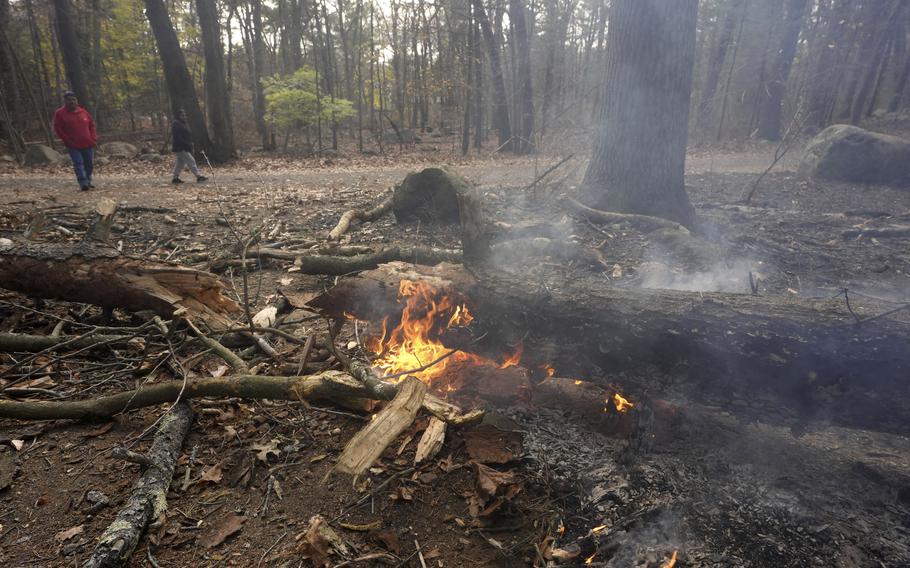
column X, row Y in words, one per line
column 885, row 232
column 333, row 386
column 149, row 499
column 360, row 215
column 550, row 170
column 642, row 222
column 20, row 342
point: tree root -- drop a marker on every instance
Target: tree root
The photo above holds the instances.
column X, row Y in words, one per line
column 149, row 499
column 642, row 222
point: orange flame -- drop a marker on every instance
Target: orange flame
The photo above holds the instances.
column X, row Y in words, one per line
column 415, row 342
column 671, row 562
column 622, row 404
column 590, row 559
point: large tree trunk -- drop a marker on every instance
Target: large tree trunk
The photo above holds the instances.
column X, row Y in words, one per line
column 772, row 99
column 179, row 82
column 98, row 274
column 638, row 161
column 216, row 91
column 500, row 101
column 779, row 357
column 71, row 51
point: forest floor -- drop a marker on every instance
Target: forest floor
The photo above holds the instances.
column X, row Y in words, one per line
column 722, row 491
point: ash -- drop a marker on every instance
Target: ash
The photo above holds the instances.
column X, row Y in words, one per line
column 723, row 493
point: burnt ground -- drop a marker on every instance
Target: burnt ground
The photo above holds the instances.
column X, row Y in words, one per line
column 719, row 489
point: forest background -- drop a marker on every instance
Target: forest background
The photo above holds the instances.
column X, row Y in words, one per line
column 508, row 75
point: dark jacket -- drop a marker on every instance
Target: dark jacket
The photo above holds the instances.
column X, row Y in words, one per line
column 182, row 136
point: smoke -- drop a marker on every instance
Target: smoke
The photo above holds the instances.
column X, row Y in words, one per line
column 651, row 539
column 722, row 276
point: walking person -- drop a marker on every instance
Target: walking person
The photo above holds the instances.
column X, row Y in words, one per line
column 74, row 125
column 182, row 146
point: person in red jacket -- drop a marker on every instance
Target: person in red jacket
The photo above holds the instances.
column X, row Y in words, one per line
column 74, row 125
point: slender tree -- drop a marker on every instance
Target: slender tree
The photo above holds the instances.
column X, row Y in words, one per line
column 500, row 100
column 524, row 88
column 639, row 154
column 772, row 98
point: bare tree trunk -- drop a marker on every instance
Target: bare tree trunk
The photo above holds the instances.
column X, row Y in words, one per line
column 827, row 73
column 219, row 103
column 639, row 155
column 901, row 86
column 69, row 48
column 524, row 90
column 176, row 75
column 500, row 102
column 258, row 74
column 878, row 41
column 772, row 98
column 468, row 73
column 478, row 86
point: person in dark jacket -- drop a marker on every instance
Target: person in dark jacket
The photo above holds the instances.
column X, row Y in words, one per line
column 74, row 125
column 182, row 147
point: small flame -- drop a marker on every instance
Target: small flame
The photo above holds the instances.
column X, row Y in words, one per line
column 671, row 562
column 549, row 370
column 577, row 382
column 590, row 559
column 561, row 530
column 622, row 404
column 514, row 359
column 598, row 529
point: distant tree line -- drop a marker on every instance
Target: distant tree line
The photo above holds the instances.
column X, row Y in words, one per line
column 508, row 75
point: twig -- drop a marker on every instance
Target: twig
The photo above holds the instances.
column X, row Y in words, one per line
column 549, row 170
column 785, row 145
column 849, row 307
column 236, row 363
column 269, row 549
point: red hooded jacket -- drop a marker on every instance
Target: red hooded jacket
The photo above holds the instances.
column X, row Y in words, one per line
column 76, row 128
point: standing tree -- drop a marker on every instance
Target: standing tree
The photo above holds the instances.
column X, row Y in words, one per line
column 176, row 75
column 638, row 161
column 524, row 88
column 772, row 99
column 219, row 103
column 500, row 101
column 71, row 50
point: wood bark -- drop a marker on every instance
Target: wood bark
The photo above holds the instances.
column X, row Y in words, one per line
column 149, row 498
column 180, row 84
column 97, row 274
column 639, row 154
column 217, row 96
column 806, row 358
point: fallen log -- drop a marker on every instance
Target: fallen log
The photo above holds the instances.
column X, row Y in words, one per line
column 98, row 274
column 344, row 223
column 340, row 265
column 368, row 444
column 802, row 358
column 149, row 498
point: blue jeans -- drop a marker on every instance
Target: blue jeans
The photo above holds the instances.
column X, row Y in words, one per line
column 83, row 164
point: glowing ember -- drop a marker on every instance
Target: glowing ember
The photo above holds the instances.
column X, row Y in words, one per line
column 549, row 370
column 414, row 343
column 590, row 559
column 671, row 562
column 598, row 529
column 577, row 382
column 621, row 404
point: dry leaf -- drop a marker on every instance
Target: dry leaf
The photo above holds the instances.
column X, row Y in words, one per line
column 220, row 371
column 319, row 541
column 230, row 526
column 266, row 317
column 64, row 536
column 213, row 474
column 263, row 451
column 18, row 444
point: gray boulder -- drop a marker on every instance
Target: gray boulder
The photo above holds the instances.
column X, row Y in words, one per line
column 119, row 150
column 847, row 153
column 7, row 158
column 41, row 155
